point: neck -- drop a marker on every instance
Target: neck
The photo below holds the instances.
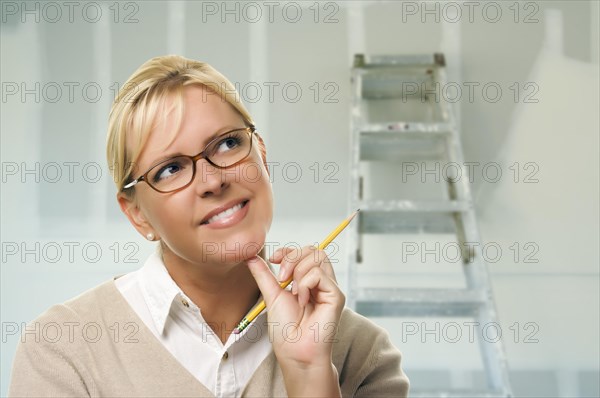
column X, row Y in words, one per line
column 223, row 292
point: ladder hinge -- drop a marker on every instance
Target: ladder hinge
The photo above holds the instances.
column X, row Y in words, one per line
column 360, row 188
column 439, row 59
column 359, row 60
column 468, row 256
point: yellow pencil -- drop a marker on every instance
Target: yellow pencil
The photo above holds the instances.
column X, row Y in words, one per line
column 257, row 309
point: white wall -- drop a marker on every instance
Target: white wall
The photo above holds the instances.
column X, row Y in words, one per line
column 559, row 133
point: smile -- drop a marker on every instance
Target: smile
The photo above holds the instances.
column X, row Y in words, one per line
column 229, row 216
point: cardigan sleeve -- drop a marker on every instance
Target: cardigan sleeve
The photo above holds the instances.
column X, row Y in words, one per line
column 47, row 366
column 368, row 363
column 385, row 378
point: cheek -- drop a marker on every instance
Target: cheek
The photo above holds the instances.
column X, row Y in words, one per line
column 252, row 173
column 166, row 215
column 258, row 179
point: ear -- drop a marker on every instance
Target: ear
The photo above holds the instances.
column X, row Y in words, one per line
column 134, row 214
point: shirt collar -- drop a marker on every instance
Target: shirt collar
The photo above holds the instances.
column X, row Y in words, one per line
column 159, row 290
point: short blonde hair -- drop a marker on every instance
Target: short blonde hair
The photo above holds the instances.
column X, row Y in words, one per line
column 142, row 100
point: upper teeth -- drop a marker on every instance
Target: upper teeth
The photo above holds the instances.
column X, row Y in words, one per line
column 225, row 213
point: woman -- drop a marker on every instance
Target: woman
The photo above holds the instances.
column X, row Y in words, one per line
column 191, row 173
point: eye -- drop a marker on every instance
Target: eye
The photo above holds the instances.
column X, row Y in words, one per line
column 167, row 171
column 230, row 142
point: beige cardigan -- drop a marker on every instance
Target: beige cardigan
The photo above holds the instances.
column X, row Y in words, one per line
column 65, row 361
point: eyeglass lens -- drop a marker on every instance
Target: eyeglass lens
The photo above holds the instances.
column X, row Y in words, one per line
column 224, row 151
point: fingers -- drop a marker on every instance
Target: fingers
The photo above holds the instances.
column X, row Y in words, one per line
column 324, row 289
column 311, row 271
column 265, row 280
column 319, row 259
column 288, row 258
column 295, row 263
column 279, row 254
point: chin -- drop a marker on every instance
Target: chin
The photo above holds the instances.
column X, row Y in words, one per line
column 241, row 247
column 252, row 247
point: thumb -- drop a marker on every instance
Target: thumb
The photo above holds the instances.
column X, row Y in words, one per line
column 266, row 281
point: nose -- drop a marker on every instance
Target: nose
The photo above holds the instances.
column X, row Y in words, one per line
column 210, row 180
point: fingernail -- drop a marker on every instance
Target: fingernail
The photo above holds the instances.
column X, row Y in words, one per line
column 251, row 261
column 281, row 273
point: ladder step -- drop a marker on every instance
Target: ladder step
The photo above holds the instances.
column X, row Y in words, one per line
column 433, row 296
column 425, row 206
column 418, row 302
column 400, row 129
column 416, row 83
column 459, row 393
column 407, row 216
column 375, row 61
column 404, row 141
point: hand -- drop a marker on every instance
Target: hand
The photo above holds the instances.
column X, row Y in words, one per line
column 302, row 322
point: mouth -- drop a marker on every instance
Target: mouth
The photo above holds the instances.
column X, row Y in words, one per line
column 223, row 213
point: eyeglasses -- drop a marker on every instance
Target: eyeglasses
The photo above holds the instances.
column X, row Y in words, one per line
column 178, row 172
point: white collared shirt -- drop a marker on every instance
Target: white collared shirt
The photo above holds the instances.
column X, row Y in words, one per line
column 178, row 324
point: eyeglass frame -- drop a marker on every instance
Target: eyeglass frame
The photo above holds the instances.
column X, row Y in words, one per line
column 250, row 130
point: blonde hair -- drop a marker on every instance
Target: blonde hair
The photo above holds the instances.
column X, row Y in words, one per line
column 142, row 100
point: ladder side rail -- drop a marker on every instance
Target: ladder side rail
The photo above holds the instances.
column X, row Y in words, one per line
column 493, row 354
column 355, row 123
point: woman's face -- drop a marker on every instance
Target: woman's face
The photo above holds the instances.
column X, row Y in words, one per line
column 179, row 218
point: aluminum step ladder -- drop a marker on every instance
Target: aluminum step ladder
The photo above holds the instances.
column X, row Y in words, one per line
column 400, row 118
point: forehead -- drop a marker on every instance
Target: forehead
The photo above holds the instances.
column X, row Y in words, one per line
column 203, row 115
